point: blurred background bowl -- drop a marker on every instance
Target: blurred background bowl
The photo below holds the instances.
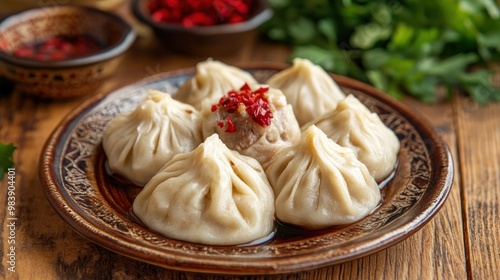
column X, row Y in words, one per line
column 214, row 40
column 12, row 6
column 72, row 76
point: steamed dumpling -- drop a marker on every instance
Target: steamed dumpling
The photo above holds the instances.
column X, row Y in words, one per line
column 318, row 183
column 212, row 80
column 139, row 143
column 211, row 195
column 308, row 88
column 354, row 126
column 256, row 121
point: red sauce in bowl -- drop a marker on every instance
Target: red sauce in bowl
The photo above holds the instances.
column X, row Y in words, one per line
column 60, row 47
column 199, row 12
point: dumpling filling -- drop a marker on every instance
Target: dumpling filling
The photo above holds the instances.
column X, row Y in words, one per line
column 256, row 121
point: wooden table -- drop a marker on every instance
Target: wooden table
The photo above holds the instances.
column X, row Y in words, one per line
column 462, row 241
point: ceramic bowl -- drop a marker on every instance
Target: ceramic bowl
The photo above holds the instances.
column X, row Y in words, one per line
column 215, row 40
column 12, row 6
column 69, row 77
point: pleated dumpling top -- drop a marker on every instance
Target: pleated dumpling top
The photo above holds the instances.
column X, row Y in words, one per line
column 318, row 183
column 211, row 195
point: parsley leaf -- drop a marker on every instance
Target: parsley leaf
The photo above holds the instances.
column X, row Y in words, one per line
column 6, row 158
column 401, row 47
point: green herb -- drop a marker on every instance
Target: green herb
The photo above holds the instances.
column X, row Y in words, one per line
column 6, row 158
column 399, row 46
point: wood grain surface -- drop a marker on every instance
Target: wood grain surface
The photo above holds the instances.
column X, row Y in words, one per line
column 461, row 242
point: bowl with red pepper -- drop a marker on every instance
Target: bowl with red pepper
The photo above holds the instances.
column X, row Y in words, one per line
column 62, row 51
column 204, row 27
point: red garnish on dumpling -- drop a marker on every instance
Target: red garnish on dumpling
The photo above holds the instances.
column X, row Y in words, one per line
column 255, row 104
column 230, row 126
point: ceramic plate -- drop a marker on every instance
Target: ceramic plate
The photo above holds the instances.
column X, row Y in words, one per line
column 76, row 183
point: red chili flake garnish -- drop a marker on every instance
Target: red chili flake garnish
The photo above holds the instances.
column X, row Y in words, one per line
column 200, row 12
column 255, row 104
column 230, row 125
column 59, row 48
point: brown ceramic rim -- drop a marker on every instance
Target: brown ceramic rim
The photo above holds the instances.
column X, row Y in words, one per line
column 127, row 38
column 406, row 217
